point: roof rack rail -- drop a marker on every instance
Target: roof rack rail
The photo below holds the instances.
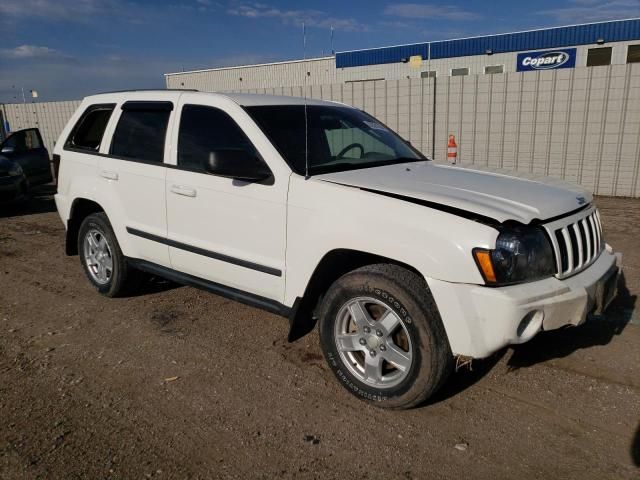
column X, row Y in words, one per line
column 150, row 90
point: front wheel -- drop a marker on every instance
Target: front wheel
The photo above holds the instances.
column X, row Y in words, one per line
column 383, row 338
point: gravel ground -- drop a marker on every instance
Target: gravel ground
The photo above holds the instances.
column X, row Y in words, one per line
column 179, row 383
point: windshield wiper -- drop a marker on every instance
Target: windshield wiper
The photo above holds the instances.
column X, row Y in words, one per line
column 330, row 167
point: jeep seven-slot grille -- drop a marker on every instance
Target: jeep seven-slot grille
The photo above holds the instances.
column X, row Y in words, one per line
column 577, row 241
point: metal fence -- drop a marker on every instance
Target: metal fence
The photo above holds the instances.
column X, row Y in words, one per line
column 579, row 124
column 49, row 117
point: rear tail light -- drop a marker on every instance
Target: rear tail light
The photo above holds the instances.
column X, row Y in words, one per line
column 56, row 168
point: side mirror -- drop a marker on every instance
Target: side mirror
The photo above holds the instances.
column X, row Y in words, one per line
column 7, row 149
column 238, row 164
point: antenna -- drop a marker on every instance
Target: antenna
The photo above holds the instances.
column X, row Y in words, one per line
column 431, row 87
column 306, row 123
column 332, row 50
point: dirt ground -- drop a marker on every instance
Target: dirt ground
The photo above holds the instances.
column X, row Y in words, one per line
column 179, row 383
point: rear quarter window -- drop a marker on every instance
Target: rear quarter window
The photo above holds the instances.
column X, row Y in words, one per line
column 88, row 132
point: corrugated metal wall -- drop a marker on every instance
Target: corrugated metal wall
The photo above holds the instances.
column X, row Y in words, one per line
column 615, row 31
column 285, row 74
column 49, row 117
column 579, row 124
column 475, row 64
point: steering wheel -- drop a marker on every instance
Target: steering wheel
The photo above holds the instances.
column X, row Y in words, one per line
column 350, row 147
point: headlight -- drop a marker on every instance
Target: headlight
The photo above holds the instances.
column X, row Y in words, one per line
column 15, row 170
column 522, row 254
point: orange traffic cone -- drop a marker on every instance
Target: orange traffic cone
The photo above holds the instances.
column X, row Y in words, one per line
column 452, row 149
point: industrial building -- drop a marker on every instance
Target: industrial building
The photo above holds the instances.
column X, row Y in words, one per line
column 595, row 44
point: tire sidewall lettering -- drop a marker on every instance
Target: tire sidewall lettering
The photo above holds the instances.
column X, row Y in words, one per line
column 355, row 385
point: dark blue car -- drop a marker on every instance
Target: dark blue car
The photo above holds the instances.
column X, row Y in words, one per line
column 24, row 163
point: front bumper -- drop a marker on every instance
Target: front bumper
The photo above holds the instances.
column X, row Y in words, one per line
column 481, row 320
column 12, row 188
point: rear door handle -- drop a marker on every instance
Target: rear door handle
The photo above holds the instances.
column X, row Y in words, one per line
column 109, row 175
column 185, row 191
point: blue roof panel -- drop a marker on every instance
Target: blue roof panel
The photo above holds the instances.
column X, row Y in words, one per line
column 614, row 31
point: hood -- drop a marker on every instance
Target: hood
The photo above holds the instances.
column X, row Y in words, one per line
column 497, row 194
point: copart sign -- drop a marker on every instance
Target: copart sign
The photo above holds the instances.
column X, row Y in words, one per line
column 547, row 60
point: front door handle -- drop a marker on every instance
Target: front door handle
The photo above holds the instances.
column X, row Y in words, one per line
column 109, row 175
column 185, row 191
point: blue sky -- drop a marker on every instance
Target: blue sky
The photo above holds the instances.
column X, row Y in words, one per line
column 67, row 49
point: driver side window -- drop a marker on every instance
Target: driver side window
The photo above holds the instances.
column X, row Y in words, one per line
column 204, row 130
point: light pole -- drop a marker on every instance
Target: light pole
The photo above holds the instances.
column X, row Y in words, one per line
column 34, row 95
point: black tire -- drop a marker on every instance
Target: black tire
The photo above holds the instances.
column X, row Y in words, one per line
column 123, row 279
column 408, row 296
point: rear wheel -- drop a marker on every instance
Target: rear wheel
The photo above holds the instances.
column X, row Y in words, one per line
column 383, row 338
column 101, row 258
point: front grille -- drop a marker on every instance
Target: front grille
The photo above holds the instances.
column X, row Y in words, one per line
column 577, row 241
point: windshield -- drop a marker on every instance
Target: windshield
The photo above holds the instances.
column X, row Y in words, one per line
column 339, row 138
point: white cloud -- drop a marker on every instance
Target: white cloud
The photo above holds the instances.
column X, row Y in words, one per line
column 64, row 80
column 114, row 57
column 204, row 6
column 13, row 12
column 56, row 9
column 429, row 11
column 580, row 11
column 311, row 18
column 71, row 81
column 31, row 51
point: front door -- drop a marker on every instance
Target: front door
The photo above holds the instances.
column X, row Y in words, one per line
column 25, row 147
column 221, row 229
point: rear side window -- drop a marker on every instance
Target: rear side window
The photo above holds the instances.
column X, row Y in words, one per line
column 204, row 130
column 141, row 130
column 88, row 132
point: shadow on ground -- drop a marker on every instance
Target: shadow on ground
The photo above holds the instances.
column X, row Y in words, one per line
column 150, row 284
column 562, row 343
column 635, row 448
column 38, row 200
column 465, row 377
column 551, row 345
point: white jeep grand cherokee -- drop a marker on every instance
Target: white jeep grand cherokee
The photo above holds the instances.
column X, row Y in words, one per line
column 315, row 210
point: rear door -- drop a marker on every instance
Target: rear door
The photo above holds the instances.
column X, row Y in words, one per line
column 25, row 147
column 132, row 171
